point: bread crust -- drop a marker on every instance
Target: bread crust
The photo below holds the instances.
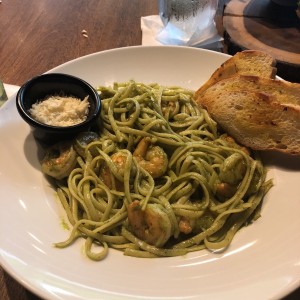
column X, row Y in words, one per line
column 248, row 62
column 285, row 92
column 258, row 117
column 257, row 110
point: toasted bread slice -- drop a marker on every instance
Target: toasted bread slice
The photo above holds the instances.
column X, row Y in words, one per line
column 285, row 92
column 248, row 62
column 256, row 119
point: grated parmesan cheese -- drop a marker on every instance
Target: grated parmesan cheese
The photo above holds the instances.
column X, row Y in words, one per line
column 60, row 111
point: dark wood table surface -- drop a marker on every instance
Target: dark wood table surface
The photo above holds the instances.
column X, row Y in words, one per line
column 37, row 35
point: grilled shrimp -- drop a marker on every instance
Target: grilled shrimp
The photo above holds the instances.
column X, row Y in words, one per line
column 59, row 160
column 151, row 225
column 82, row 140
column 185, row 225
column 119, row 160
column 169, row 109
column 231, row 173
column 105, row 175
column 232, row 170
column 225, row 190
column 153, row 159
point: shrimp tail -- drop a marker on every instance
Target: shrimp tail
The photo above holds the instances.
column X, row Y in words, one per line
column 151, row 225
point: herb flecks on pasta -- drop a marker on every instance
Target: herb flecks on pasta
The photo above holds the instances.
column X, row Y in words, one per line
column 158, row 179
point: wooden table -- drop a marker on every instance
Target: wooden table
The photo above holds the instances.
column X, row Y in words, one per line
column 267, row 26
column 38, row 35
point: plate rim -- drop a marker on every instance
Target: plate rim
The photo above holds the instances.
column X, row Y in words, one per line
column 34, row 289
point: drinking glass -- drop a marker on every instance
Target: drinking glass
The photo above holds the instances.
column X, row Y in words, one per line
column 186, row 22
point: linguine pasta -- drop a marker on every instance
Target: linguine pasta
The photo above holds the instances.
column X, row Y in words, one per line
column 199, row 190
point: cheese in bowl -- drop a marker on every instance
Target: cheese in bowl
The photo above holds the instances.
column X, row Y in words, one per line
column 58, row 106
column 61, row 111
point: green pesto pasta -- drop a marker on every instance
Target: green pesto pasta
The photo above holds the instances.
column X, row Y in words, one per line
column 159, row 179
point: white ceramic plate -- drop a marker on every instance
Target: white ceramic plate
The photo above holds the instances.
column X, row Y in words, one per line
column 263, row 261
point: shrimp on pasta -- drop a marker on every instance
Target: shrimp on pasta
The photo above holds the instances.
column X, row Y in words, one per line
column 158, row 178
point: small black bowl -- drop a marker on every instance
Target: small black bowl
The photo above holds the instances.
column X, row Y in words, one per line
column 40, row 87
